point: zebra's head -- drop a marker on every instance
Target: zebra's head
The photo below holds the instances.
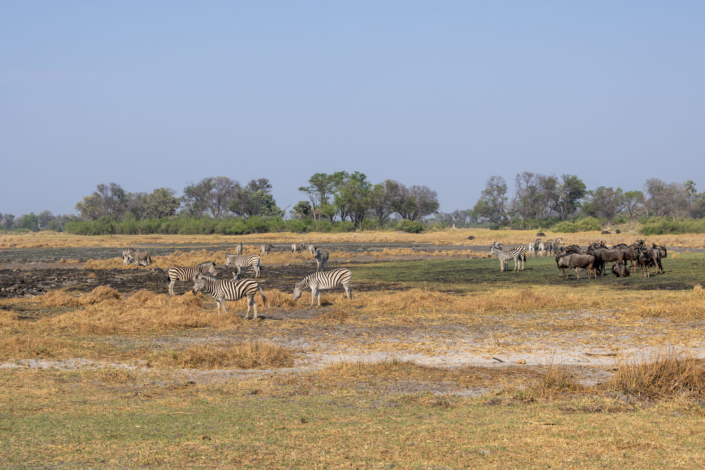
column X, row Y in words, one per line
column 493, row 250
column 228, row 260
column 297, row 292
column 200, row 284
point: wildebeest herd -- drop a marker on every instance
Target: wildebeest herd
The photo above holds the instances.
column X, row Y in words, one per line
column 592, row 259
column 204, row 276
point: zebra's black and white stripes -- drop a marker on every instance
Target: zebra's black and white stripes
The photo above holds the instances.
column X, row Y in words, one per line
column 223, row 289
column 323, row 281
column 178, row 273
column 239, row 262
column 504, row 254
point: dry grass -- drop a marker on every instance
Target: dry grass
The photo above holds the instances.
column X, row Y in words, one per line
column 681, row 305
column 665, row 374
column 105, row 312
column 243, row 355
column 439, row 237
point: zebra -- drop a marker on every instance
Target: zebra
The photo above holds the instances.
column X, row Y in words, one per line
column 324, row 281
column 505, row 254
column 559, row 241
column 238, row 248
column 141, row 258
column 321, row 259
column 550, row 247
column 297, row 247
column 127, row 255
column 311, row 249
column 177, row 273
column 224, row 289
column 239, row 262
column 522, row 251
column 266, row 248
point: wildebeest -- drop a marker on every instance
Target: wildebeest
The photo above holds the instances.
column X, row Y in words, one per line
column 577, row 261
column 540, row 234
column 658, row 252
column 645, row 260
column 607, row 255
column 620, row 269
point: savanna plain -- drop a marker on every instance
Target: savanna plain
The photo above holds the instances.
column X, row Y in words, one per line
column 439, row 361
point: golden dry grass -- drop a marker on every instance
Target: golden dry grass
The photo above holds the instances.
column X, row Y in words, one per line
column 437, row 237
column 243, row 355
column 664, row 374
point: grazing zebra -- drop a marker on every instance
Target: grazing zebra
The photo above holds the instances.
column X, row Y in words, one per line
column 127, row 255
column 505, row 256
column 324, row 281
column 141, row 258
column 177, row 273
column 321, row 259
column 223, row 289
column 297, row 247
column 266, row 248
column 239, row 262
column 559, row 241
column 311, row 249
column 238, row 248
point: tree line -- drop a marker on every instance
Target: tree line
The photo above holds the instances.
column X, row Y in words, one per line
column 349, row 201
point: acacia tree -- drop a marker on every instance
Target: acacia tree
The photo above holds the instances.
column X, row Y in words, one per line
column 633, row 203
column 493, row 200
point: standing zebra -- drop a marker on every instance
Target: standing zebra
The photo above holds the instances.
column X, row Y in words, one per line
column 266, row 248
column 177, row 273
column 324, row 281
column 223, row 289
column 239, row 262
column 311, row 249
column 550, row 247
column 238, row 248
column 321, row 259
column 505, row 254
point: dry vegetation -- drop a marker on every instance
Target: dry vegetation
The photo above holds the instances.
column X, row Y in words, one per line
column 439, row 237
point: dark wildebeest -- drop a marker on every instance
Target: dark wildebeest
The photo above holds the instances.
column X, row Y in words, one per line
column 620, row 269
column 657, row 253
column 608, row 256
column 631, row 253
column 577, row 262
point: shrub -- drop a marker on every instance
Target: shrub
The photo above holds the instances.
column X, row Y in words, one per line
column 565, row 227
column 588, row 224
column 662, row 226
column 410, row 226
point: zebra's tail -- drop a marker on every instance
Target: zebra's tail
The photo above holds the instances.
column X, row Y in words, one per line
column 261, row 292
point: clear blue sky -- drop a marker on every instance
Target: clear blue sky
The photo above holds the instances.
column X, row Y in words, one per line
column 154, row 94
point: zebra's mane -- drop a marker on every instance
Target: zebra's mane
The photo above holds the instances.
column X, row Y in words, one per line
column 303, row 283
column 208, row 278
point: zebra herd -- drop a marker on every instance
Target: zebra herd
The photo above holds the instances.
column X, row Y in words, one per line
column 222, row 290
column 592, row 260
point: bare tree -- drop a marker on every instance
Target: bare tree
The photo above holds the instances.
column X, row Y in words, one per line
column 666, row 200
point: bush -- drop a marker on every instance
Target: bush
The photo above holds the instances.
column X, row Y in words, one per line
column 410, row 226
column 662, row 226
column 565, row 227
column 588, row 224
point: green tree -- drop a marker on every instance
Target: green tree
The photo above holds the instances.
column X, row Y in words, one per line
column 354, row 193
column 30, row 222
column 383, row 198
column 493, row 200
column 161, row 203
column 107, row 200
column 604, row 202
column 570, row 192
column 633, row 203
column 303, row 210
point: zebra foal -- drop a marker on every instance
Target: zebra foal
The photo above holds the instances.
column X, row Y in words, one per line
column 178, row 273
column 324, row 281
column 239, row 262
column 223, row 289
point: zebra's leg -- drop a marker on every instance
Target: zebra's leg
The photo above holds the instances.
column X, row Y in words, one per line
column 318, row 293
column 249, row 306
column 348, row 291
column 171, row 288
column 254, row 306
column 501, row 265
column 313, row 296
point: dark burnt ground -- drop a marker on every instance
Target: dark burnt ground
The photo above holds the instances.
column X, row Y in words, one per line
column 27, row 283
